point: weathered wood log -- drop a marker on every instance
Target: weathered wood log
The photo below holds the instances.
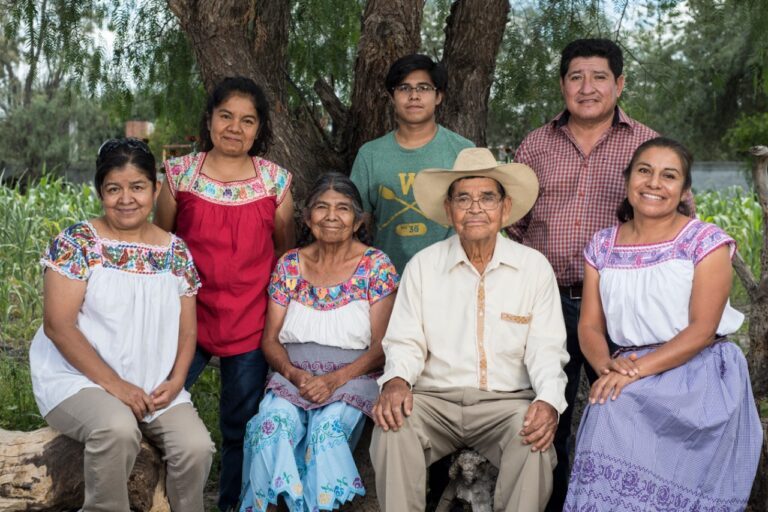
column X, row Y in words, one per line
column 43, row 471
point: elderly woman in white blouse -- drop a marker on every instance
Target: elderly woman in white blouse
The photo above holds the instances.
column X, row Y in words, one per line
column 118, row 335
column 330, row 304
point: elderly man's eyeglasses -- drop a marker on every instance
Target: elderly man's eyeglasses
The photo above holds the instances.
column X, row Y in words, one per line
column 420, row 89
column 486, row 201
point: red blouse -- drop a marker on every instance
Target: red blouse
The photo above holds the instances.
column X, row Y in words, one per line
column 228, row 228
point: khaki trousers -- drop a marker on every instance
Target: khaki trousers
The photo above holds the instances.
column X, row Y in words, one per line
column 444, row 421
column 112, row 435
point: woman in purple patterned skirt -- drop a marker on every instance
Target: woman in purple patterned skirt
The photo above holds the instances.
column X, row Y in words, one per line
column 671, row 422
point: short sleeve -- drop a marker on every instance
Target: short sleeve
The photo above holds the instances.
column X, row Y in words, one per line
column 382, row 278
column 72, row 253
column 596, row 251
column 360, row 177
column 709, row 238
column 281, row 179
column 184, row 268
column 179, row 172
column 279, row 288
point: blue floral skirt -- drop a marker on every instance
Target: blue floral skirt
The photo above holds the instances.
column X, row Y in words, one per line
column 687, row 439
column 305, row 456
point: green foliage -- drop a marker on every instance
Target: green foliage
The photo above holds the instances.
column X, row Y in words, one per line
column 58, row 133
column 29, row 221
column 323, row 43
column 18, row 410
column 740, row 215
column 152, row 75
column 700, row 69
column 56, row 40
column 526, row 89
column 748, row 131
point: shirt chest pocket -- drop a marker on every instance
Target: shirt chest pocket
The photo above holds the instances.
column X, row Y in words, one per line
column 511, row 334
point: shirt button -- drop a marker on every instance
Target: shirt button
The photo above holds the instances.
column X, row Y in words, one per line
column 577, row 223
column 581, row 194
column 480, row 313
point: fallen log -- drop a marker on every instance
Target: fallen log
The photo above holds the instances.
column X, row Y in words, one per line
column 43, row 471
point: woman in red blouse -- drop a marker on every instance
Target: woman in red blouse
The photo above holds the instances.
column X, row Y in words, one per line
column 235, row 211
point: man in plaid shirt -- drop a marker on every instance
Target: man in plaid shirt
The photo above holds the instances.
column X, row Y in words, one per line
column 578, row 158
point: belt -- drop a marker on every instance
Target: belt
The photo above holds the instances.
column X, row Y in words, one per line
column 572, row 292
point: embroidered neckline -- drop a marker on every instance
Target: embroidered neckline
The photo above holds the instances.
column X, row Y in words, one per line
column 672, row 241
column 360, row 263
column 112, row 241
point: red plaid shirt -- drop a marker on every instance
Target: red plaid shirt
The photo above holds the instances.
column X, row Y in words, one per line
column 578, row 194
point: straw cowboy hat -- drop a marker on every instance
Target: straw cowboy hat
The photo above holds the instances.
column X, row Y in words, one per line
column 519, row 181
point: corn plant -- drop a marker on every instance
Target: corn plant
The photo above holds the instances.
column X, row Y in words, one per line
column 32, row 215
column 739, row 214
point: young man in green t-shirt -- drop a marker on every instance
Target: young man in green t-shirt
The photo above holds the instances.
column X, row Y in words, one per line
column 385, row 167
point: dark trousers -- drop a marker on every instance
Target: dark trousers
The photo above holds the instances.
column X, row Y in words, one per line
column 242, row 383
column 562, row 443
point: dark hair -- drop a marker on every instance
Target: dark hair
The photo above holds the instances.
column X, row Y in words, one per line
column 404, row 66
column 239, row 85
column 499, row 186
column 593, row 48
column 343, row 185
column 625, row 211
column 117, row 153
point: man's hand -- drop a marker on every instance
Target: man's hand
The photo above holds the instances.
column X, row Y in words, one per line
column 539, row 426
column 395, row 401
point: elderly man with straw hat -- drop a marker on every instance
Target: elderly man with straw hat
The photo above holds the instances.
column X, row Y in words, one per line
column 475, row 346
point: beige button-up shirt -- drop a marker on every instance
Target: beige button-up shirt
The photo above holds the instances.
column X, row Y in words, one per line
column 501, row 330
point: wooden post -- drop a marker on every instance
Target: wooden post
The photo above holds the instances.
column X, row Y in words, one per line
column 757, row 289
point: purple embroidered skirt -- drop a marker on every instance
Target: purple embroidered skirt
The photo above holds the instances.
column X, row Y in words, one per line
column 687, row 439
column 361, row 393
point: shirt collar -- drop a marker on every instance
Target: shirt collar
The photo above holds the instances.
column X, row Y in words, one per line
column 619, row 117
column 506, row 253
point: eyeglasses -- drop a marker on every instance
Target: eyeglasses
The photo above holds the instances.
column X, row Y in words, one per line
column 418, row 89
column 486, row 201
column 128, row 142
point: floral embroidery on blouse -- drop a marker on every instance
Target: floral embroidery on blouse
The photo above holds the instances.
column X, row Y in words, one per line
column 77, row 250
column 183, row 175
column 374, row 278
column 694, row 242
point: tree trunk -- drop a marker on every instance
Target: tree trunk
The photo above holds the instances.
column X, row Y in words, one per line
column 472, row 38
column 43, row 471
column 391, row 29
column 757, row 288
column 232, row 37
column 757, row 357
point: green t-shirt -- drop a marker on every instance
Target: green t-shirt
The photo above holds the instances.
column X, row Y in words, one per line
column 384, row 172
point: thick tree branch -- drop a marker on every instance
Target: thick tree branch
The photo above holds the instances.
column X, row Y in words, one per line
column 473, row 34
column 745, row 275
column 390, row 30
column 336, row 109
column 760, row 180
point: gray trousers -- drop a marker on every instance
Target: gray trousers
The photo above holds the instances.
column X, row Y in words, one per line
column 444, row 421
column 111, row 435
